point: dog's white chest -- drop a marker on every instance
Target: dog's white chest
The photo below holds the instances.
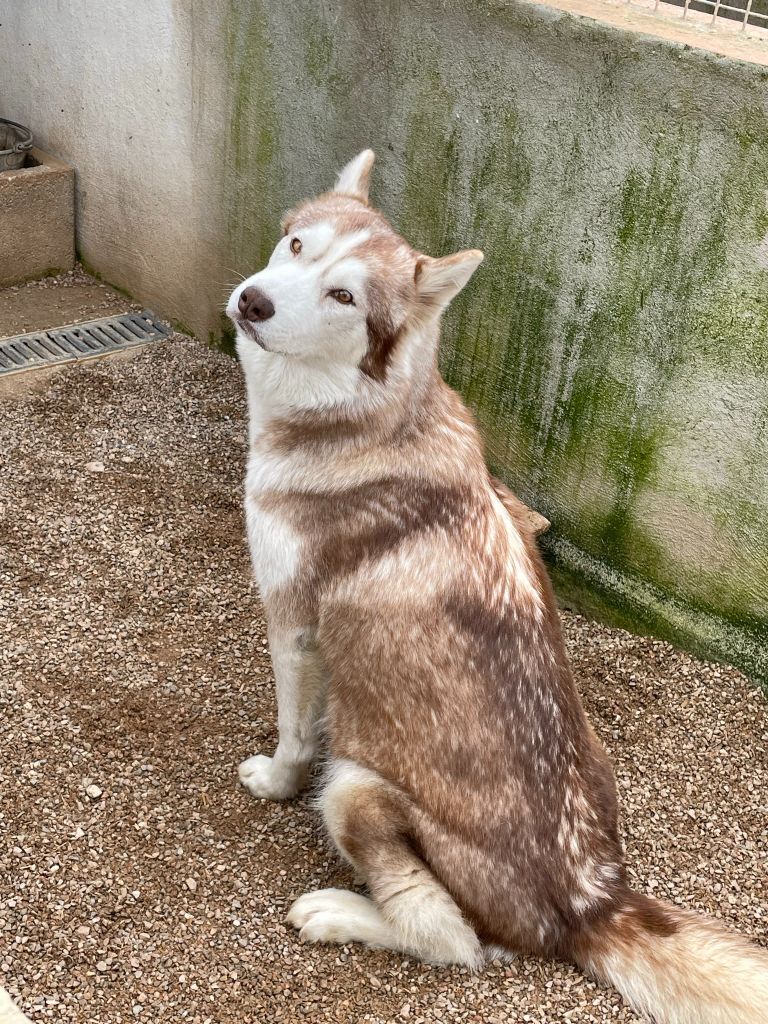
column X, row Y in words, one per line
column 275, row 548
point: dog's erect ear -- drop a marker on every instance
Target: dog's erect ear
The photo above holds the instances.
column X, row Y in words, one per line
column 437, row 281
column 353, row 180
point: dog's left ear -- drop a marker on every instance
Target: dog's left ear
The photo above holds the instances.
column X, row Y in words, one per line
column 353, row 180
column 438, row 281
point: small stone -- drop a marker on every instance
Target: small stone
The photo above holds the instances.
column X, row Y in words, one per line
column 93, row 791
column 95, row 467
column 101, row 966
column 405, row 1010
column 191, row 884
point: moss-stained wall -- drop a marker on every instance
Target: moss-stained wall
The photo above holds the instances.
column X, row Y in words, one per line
column 615, row 342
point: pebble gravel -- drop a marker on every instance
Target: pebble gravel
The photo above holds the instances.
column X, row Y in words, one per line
column 138, row 881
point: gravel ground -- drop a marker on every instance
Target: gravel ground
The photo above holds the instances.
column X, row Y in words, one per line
column 139, row 882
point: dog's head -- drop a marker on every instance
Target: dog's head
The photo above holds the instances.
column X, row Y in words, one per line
column 341, row 286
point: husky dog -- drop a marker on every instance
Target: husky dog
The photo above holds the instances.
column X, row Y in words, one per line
column 408, row 607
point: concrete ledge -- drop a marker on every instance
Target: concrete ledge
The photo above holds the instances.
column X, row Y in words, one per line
column 696, row 30
column 37, row 219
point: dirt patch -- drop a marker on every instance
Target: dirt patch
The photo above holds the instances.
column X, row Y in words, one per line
column 133, row 659
column 70, row 298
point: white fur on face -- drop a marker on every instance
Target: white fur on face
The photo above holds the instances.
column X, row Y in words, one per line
column 309, row 324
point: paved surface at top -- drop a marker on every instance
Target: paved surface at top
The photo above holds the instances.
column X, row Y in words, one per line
column 138, row 882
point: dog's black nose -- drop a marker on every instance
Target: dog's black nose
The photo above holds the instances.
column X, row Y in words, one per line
column 254, row 305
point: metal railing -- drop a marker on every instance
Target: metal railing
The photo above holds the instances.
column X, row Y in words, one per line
column 749, row 13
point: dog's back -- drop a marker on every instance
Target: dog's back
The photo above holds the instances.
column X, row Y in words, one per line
column 449, row 680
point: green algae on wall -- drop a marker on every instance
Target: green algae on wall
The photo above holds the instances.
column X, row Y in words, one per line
column 252, row 161
column 613, row 344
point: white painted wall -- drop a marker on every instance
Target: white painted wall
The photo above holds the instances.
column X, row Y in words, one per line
column 111, row 86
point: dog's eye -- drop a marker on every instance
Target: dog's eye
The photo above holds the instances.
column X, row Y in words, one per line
column 296, row 246
column 342, row 295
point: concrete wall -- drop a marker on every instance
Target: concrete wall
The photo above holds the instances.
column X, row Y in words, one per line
column 122, row 91
column 614, row 343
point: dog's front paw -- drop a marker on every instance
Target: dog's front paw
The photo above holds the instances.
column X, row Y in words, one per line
column 263, row 777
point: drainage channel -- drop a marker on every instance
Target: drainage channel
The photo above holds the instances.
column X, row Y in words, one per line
column 80, row 341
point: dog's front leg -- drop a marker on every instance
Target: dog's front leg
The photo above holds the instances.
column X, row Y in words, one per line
column 301, row 683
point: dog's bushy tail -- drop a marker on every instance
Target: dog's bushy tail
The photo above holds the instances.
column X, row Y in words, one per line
column 677, row 967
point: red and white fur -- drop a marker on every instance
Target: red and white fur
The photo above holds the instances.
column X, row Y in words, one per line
column 409, row 610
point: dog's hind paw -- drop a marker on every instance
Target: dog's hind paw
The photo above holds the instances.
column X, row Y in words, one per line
column 336, row 915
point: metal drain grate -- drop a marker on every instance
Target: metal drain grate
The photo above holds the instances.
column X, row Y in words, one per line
column 80, row 341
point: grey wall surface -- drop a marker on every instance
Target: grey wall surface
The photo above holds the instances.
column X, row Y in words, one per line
column 613, row 344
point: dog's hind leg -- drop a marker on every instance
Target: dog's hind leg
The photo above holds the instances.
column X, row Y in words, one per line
column 409, row 910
